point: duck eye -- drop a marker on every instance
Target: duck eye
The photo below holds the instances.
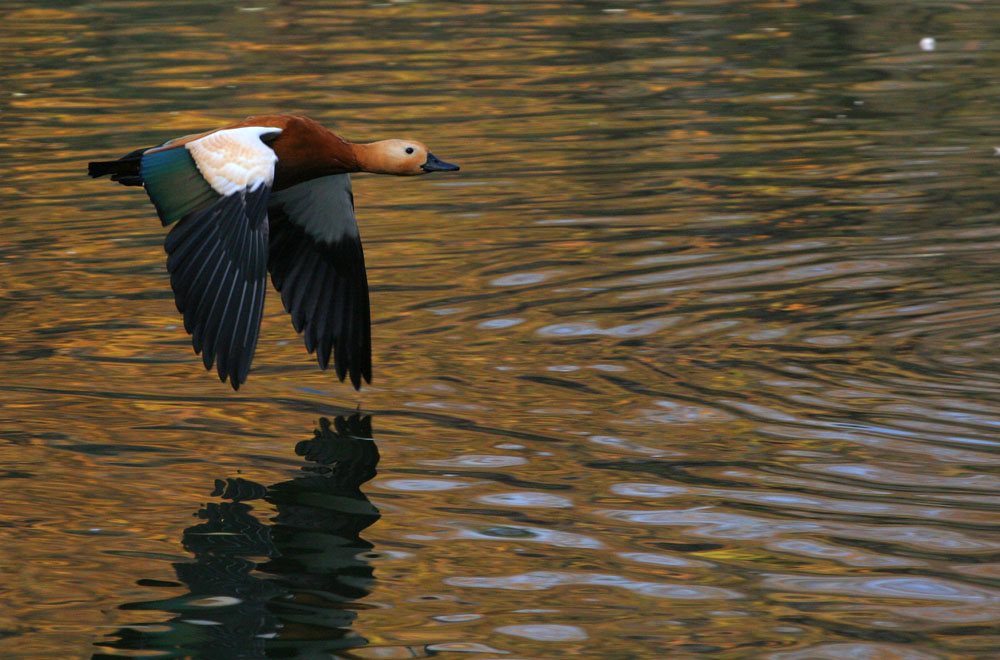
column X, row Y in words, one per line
column 409, row 150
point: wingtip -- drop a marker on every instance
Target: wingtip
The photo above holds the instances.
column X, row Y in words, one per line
column 345, row 371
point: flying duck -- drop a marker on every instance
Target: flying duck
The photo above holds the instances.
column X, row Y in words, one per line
column 269, row 193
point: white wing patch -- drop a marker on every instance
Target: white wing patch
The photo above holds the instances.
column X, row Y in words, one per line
column 322, row 206
column 235, row 159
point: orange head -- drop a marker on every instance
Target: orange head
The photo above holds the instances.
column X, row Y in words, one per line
column 400, row 157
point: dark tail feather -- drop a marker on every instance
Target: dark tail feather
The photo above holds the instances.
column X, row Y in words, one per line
column 125, row 170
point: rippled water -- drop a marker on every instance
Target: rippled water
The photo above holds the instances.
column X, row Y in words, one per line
column 696, row 356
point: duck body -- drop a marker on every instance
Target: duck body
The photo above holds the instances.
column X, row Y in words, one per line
column 271, row 193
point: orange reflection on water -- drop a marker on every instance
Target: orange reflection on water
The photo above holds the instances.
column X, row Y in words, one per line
column 694, row 356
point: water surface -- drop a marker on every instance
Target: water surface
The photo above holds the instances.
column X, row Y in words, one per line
column 696, row 356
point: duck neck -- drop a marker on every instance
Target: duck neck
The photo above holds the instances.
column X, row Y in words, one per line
column 370, row 158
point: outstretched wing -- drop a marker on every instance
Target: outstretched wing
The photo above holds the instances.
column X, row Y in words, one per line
column 317, row 264
column 217, row 187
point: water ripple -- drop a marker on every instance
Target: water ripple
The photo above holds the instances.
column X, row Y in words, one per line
column 542, row 580
column 709, row 314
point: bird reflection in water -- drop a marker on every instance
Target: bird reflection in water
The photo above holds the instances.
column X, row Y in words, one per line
column 302, row 599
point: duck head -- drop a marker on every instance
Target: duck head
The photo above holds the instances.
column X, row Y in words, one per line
column 400, row 157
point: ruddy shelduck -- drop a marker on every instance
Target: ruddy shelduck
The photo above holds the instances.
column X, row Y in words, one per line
column 269, row 193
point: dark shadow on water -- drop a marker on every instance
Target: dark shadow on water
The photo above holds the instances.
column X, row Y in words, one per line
column 285, row 588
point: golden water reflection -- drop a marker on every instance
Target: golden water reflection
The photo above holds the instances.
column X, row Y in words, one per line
column 695, row 357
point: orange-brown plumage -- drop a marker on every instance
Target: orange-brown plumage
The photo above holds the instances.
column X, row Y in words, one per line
column 305, row 149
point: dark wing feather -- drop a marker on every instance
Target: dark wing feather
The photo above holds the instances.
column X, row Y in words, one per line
column 218, row 271
column 216, row 189
column 318, row 265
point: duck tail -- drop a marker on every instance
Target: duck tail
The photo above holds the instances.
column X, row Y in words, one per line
column 125, row 170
